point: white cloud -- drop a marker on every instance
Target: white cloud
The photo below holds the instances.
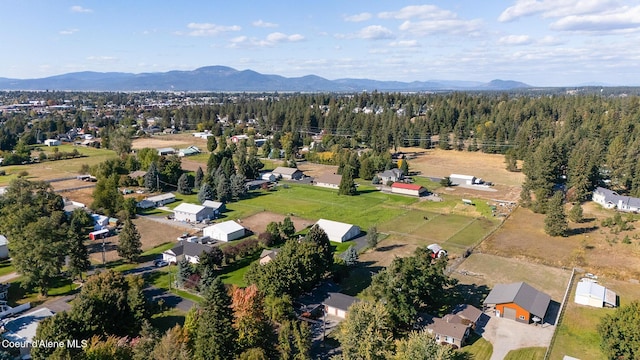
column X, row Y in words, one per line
column 418, row 11
column 615, row 20
column 405, row 43
column 208, row 29
column 80, row 9
column 431, row 19
column 375, row 32
column 555, row 8
column 102, row 59
column 264, row 24
column 279, row 37
column 271, row 40
column 515, row 40
column 68, row 31
column 358, row 17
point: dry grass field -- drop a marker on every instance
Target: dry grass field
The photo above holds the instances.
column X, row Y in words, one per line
column 258, row 223
column 175, row 141
column 591, row 247
column 152, row 234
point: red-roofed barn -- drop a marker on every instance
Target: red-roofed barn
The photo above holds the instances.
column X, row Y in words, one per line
column 408, row 189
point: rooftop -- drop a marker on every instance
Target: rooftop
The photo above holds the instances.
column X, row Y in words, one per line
column 339, row 300
column 522, row 294
column 227, row 227
column 189, row 208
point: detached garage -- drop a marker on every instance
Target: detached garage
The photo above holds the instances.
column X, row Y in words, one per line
column 337, row 304
column 337, row 231
column 224, row 231
column 408, row 189
column 518, row 301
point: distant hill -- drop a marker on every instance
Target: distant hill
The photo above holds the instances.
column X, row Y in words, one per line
column 222, row 78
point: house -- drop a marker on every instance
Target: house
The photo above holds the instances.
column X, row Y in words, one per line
column 337, row 231
column 224, row 231
column 287, row 173
column 469, row 314
column 590, row 293
column 216, row 206
column 268, row 177
column 162, row 199
column 52, row 142
column 392, row 175
column 457, row 179
column 331, row 181
column 21, row 330
column 337, row 304
column 192, row 212
column 191, row 150
column 518, row 301
column 137, row 174
column 408, row 189
column 611, row 200
column 267, row 255
column 145, row 204
column 185, row 249
column 166, row 151
column 449, row 330
column 4, row 247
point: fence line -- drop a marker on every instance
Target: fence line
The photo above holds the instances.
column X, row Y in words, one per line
column 563, row 305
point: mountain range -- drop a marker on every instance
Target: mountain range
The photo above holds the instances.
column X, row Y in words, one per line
column 222, row 78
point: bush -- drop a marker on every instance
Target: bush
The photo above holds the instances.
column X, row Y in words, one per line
column 3, row 173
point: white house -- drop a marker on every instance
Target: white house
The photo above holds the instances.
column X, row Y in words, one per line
column 224, row 231
column 189, row 250
column 337, row 231
column 457, row 179
column 589, row 293
column 4, row 247
column 392, row 175
column 611, row 200
column 162, row 199
column 52, row 142
column 192, row 212
column 330, row 181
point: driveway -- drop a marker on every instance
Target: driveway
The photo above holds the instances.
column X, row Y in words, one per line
column 506, row 335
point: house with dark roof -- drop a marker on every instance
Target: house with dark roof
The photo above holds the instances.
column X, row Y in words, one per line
column 449, row 330
column 612, row 200
column 408, row 189
column 337, row 304
column 518, row 301
column 185, row 249
column 391, row 175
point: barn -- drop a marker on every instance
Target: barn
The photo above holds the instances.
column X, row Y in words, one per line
column 337, row 304
column 288, row 173
column 518, row 301
column 589, row 293
column 224, row 231
column 457, row 179
column 408, row 189
column 337, row 231
column 192, row 212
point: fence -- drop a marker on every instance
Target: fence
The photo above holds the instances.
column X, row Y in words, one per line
column 563, row 306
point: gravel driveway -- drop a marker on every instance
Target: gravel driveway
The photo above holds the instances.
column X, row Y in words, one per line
column 506, row 335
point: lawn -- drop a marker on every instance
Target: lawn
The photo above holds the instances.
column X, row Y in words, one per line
column 168, row 319
column 18, row 295
column 531, row 353
column 6, row 267
column 478, row 348
column 468, row 235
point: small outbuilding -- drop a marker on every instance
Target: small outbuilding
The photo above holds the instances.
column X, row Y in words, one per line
column 192, row 212
column 518, row 301
column 408, row 189
column 269, row 176
column 288, row 173
column 590, row 293
column 216, row 206
column 337, row 304
column 267, row 255
column 162, row 199
column 338, row 231
column 457, row 179
column 166, row 151
column 224, row 231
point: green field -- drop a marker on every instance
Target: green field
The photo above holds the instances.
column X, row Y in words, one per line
column 532, row 353
column 478, row 348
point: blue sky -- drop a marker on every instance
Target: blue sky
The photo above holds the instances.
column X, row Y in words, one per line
column 540, row 42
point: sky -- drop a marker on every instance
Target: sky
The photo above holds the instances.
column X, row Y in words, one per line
column 539, row 42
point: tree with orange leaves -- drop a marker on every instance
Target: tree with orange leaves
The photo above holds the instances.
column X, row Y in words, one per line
column 254, row 328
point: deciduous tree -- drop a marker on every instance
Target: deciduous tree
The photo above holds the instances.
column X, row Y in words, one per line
column 619, row 332
column 367, row 332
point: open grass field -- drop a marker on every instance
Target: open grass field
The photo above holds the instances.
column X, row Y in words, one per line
column 175, row 141
column 577, row 334
column 531, row 353
column 590, row 246
column 478, row 348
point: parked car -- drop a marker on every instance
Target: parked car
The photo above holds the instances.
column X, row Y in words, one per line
column 160, row 263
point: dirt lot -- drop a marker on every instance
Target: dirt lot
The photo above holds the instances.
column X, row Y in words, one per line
column 590, row 246
column 152, row 234
column 315, row 170
column 258, row 223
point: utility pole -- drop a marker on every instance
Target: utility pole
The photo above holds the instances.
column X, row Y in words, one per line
column 104, row 257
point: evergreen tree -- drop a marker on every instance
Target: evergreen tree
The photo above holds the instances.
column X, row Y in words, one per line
column 575, row 214
column 129, row 245
column 215, row 334
column 238, row 190
column 347, row 185
column 183, row 184
column 185, row 270
column 151, row 182
column 350, row 256
column 223, row 191
column 319, row 237
column 212, row 143
column 287, row 227
column 404, row 167
column 372, row 237
column 555, row 222
column 199, row 178
column 205, row 193
column 78, row 254
column 294, row 340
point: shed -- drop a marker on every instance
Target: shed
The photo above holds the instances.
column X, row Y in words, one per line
column 216, row 206
column 52, row 142
column 338, row 231
column 518, row 301
column 224, row 231
column 288, row 173
column 331, row 181
column 4, row 247
column 457, row 179
column 592, row 294
column 192, row 212
column 408, row 189
column 337, row 304
column 268, row 255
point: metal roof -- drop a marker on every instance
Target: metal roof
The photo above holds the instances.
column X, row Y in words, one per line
column 340, row 301
column 523, row 295
column 335, row 230
column 227, row 227
column 189, row 208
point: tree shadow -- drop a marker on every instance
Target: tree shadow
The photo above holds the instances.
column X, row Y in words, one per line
column 389, row 247
column 585, row 230
column 471, row 294
column 359, row 278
